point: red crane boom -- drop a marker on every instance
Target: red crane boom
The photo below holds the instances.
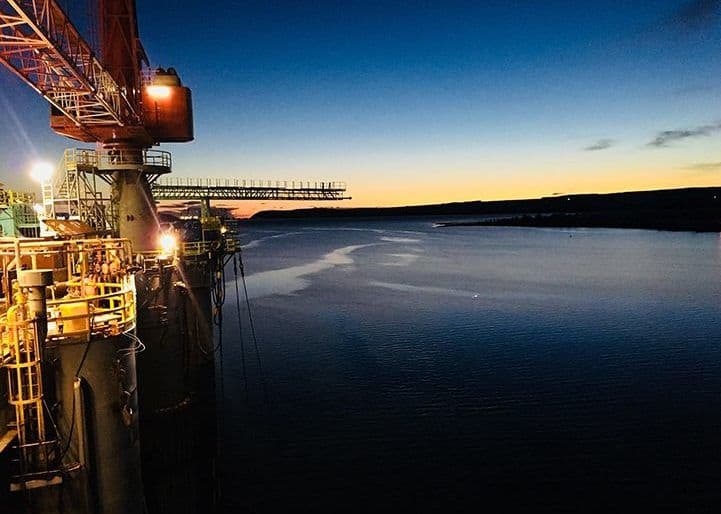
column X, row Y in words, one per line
column 93, row 100
column 103, row 101
column 42, row 47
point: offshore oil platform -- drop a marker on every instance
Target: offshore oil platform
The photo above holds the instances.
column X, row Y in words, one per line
column 108, row 317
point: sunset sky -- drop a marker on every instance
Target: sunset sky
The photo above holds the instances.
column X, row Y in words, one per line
column 427, row 102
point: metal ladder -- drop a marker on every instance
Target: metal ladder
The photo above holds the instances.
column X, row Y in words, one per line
column 37, row 454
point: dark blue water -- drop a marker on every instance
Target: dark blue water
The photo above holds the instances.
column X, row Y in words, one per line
column 406, row 366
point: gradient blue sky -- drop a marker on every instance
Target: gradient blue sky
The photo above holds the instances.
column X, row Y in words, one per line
column 416, row 102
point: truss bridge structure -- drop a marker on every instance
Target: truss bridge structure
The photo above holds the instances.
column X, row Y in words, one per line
column 82, row 187
column 206, row 189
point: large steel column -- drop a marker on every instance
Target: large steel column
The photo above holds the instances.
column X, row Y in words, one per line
column 106, row 439
column 137, row 215
column 178, row 425
column 136, row 210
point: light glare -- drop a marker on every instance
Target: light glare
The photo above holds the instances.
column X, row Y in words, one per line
column 41, row 172
column 168, row 244
column 158, row 91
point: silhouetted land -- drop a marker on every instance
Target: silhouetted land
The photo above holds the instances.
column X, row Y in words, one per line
column 691, row 209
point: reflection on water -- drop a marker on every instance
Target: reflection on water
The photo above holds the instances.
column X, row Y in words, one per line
column 291, row 280
column 419, row 368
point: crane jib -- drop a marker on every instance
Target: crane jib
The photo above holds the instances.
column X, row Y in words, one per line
column 39, row 44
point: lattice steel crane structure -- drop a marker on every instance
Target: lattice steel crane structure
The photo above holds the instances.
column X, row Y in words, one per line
column 109, row 98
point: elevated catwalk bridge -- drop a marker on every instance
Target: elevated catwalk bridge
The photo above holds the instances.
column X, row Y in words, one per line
column 73, row 191
column 206, row 189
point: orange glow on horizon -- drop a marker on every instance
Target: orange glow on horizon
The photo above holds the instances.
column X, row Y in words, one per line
column 396, row 193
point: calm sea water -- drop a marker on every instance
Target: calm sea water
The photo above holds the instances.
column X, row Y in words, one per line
column 406, row 366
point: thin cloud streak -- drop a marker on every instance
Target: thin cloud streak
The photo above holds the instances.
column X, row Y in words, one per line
column 667, row 137
column 704, row 166
column 601, row 144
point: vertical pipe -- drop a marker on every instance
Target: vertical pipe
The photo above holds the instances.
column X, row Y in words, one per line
column 36, row 281
column 80, row 422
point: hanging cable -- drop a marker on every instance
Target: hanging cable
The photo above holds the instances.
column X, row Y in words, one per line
column 252, row 327
column 217, row 290
column 181, row 314
column 137, row 347
column 217, row 295
column 240, row 327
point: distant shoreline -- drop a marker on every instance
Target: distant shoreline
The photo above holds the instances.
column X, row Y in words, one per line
column 689, row 209
column 647, row 221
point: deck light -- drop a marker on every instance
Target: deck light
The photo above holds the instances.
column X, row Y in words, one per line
column 41, row 172
column 158, row 92
column 168, row 245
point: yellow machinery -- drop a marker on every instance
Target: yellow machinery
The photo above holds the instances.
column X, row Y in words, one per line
column 92, row 293
column 55, row 295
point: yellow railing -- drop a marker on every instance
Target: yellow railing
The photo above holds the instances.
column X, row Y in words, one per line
column 195, row 248
column 95, row 308
column 93, row 293
column 18, row 341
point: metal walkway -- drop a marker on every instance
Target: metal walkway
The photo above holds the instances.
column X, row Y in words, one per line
column 173, row 188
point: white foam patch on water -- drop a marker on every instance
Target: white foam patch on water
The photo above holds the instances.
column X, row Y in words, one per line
column 288, row 281
column 460, row 293
column 346, row 229
column 408, row 288
column 407, row 240
column 401, row 259
column 257, row 242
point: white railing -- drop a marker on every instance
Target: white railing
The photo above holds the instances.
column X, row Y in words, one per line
column 252, row 183
column 117, row 158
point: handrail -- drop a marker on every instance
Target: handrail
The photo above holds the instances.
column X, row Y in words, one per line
column 73, row 318
column 100, row 298
column 116, row 157
column 252, row 183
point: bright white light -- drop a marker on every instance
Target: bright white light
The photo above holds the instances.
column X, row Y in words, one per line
column 168, row 244
column 223, row 229
column 41, row 172
column 158, row 91
column 39, row 209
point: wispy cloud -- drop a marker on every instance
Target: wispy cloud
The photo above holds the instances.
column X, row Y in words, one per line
column 667, row 137
column 694, row 15
column 601, row 144
column 696, row 90
column 704, row 166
